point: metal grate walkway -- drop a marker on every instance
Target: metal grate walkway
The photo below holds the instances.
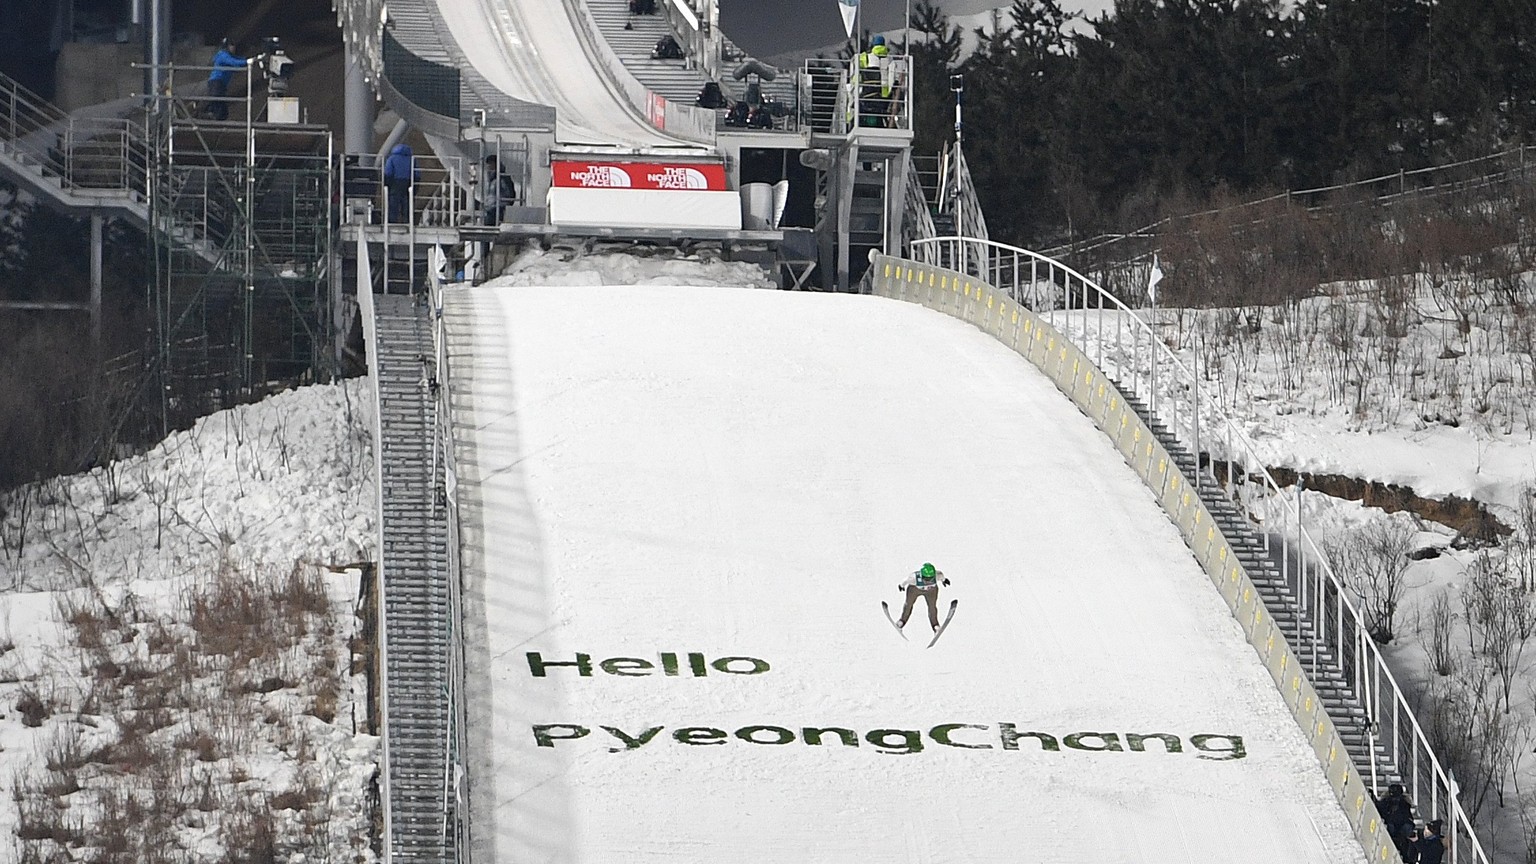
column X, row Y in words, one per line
column 417, row 626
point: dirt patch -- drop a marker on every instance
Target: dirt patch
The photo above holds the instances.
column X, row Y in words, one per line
column 1470, row 519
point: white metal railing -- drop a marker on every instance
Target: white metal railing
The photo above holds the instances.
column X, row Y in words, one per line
column 454, row 775
column 381, row 632
column 1126, row 347
column 95, row 154
column 917, row 218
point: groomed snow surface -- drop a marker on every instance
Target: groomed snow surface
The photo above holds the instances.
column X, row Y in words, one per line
column 654, row 473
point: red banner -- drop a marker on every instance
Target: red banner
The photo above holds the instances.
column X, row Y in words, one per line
column 656, row 110
column 640, row 175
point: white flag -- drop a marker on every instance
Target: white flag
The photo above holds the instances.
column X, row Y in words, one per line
column 849, row 8
column 1153, row 278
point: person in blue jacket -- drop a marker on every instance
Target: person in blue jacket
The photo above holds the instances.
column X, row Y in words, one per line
column 400, row 172
column 224, row 64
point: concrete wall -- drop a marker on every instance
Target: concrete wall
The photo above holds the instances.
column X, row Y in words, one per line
column 963, row 297
column 89, row 74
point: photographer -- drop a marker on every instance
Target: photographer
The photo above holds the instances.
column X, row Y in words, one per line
column 1397, row 814
column 1430, row 845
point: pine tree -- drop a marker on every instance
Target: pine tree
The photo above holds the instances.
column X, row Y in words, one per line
column 1013, row 91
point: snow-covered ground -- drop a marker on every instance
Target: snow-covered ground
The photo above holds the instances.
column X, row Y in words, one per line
column 180, row 660
column 1430, row 390
column 692, row 501
column 110, row 648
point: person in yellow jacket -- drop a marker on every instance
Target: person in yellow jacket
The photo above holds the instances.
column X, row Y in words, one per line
column 874, row 83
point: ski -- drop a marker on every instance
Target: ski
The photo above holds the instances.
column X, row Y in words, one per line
column 940, row 632
column 887, row 607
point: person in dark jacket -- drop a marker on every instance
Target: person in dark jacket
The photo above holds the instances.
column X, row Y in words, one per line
column 499, row 190
column 1431, row 844
column 1397, row 815
column 400, row 172
column 225, row 62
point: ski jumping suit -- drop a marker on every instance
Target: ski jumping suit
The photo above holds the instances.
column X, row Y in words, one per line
column 928, row 588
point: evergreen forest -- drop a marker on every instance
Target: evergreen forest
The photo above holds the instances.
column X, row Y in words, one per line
column 1072, row 127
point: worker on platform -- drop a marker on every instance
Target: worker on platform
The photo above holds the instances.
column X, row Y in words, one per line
column 874, row 83
column 225, row 61
column 400, row 174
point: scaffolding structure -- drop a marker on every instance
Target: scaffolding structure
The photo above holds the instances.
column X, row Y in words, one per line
column 243, row 213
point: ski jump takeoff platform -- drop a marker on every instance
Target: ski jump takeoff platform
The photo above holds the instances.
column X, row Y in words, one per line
column 681, row 509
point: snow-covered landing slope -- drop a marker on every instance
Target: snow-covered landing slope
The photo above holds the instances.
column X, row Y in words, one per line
column 530, row 49
column 695, row 498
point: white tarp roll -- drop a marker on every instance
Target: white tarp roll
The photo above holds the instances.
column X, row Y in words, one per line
column 756, row 206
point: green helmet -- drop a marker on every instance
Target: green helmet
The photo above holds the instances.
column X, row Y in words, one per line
column 928, row 570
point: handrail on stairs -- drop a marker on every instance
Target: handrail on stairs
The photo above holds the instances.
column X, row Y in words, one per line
column 93, row 155
column 1125, row 345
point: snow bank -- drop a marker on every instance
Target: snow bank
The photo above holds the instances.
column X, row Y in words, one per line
column 557, row 268
column 285, row 479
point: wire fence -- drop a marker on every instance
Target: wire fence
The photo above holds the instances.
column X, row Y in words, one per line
column 1114, row 251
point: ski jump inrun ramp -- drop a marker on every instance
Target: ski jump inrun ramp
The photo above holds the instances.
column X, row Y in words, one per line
column 533, row 50
column 682, row 507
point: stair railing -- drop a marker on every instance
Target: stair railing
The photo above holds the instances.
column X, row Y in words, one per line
column 917, row 217
column 1124, row 343
column 92, row 154
column 455, row 797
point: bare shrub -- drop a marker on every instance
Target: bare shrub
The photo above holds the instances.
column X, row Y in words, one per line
column 1520, row 547
column 39, row 818
column 249, row 835
column 227, row 616
column 132, row 753
column 32, row 707
column 92, row 624
column 1442, row 625
column 1472, row 738
column 202, row 744
column 159, row 639
column 292, row 799
column 1373, row 562
column 65, row 752
column 247, row 617
column 327, row 693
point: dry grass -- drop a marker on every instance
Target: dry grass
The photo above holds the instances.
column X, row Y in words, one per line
column 171, row 709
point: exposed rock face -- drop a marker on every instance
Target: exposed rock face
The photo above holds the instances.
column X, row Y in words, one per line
column 1471, row 519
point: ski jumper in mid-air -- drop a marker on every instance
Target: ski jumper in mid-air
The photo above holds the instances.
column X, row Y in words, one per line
column 924, row 582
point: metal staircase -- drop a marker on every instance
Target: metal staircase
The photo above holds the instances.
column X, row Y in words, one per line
column 423, row 823
column 821, row 97
column 632, row 38
column 1298, row 617
column 86, row 162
